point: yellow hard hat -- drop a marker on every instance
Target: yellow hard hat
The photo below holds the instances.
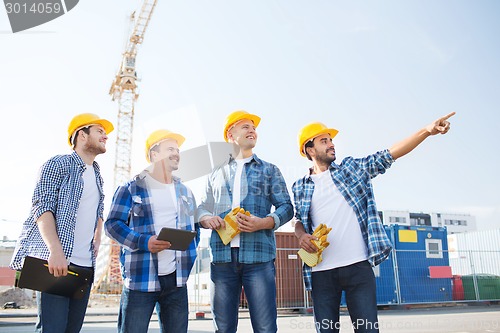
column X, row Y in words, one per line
column 161, row 135
column 85, row 119
column 311, row 131
column 237, row 116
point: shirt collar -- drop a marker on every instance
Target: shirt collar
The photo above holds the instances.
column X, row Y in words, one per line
column 79, row 162
column 254, row 158
column 141, row 176
column 310, row 170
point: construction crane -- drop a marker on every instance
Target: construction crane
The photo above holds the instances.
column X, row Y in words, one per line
column 124, row 91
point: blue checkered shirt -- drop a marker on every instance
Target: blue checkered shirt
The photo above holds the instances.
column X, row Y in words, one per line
column 130, row 223
column 58, row 190
column 353, row 179
column 262, row 187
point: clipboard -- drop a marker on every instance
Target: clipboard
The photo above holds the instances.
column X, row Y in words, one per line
column 35, row 275
column 178, row 238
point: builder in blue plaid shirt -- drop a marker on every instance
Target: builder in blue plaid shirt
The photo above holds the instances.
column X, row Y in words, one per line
column 152, row 274
column 248, row 182
column 65, row 223
column 341, row 196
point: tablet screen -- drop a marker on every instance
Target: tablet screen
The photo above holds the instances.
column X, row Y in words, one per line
column 179, row 239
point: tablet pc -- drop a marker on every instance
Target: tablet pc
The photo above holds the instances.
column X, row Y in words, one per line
column 178, row 238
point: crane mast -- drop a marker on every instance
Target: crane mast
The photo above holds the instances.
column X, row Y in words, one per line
column 124, row 91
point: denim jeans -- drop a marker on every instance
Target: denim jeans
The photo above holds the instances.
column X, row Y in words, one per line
column 358, row 282
column 60, row 314
column 136, row 308
column 259, row 284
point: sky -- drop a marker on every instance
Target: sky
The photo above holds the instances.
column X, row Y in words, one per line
column 377, row 71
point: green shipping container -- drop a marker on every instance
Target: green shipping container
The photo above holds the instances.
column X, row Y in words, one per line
column 488, row 287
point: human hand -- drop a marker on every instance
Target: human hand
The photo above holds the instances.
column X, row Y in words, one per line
column 306, row 242
column 318, row 238
column 155, row 245
column 58, row 264
column 441, row 125
column 250, row 223
column 212, row 222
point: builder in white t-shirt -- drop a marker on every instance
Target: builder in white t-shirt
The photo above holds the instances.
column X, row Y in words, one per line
column 154, row 275
column 65, row 222
column 341, row 196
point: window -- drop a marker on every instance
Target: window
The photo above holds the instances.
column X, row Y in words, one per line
column 433, row 248
column 397, row 219
column 455, row 222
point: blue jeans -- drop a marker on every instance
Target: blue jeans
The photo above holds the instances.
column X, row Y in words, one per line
column 358, row 282
column 60, row 314
column 258, row 281
column 136, row 308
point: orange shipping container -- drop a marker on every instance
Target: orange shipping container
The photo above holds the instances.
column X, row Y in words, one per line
column 289, row 281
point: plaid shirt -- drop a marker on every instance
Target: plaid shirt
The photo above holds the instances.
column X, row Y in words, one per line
column 58, row 190
column 262, row 186
column 353, row 179
column 130, row 223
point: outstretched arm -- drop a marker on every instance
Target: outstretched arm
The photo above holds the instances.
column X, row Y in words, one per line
column 440, row 126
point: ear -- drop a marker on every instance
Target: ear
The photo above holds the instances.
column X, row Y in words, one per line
column 81, row 135
column 152, row 155
column 310, row 151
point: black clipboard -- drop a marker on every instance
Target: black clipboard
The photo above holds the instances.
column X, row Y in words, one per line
column 35, row 275
column 178, row 238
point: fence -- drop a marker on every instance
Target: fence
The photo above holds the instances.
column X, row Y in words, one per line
column 406, row 277
column 409, row 277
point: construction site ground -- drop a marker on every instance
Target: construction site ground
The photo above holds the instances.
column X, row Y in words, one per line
column 460, row 317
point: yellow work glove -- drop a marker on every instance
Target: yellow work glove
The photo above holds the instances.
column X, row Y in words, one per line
column 231, row 228
column 312, row 259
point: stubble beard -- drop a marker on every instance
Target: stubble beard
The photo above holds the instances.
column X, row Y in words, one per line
column 325, row 159
column 95, row 148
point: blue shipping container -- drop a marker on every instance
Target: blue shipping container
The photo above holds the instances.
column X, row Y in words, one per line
column 417, row 249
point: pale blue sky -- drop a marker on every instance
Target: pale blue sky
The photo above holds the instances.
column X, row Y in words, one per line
column 375, row 70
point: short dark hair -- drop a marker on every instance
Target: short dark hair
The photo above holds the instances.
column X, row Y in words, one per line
column 309, row 144
column 86, row 130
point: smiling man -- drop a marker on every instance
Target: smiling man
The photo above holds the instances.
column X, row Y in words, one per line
column 341, row 196
column 248, row 182
column 153, row 275
column 65, row 224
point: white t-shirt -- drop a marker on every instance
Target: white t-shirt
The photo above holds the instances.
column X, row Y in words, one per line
column 240, row 163
column 328, row 206
column 164, row 205
column 85, row 219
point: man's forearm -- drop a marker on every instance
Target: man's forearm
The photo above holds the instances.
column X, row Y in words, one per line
column 407, row 145
column 299, row 229
column 439, row 126
column 47, row 226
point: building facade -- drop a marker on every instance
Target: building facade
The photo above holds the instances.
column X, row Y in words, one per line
column 454, row 223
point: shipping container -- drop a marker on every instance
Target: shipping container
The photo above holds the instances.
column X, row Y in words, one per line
column 290, row 291
column 481, row 287
column 289, row 280
column 423, row 269
column 475, row 252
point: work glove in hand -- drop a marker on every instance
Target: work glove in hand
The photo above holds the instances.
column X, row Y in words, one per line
column 232, row 229
column 312, row 259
